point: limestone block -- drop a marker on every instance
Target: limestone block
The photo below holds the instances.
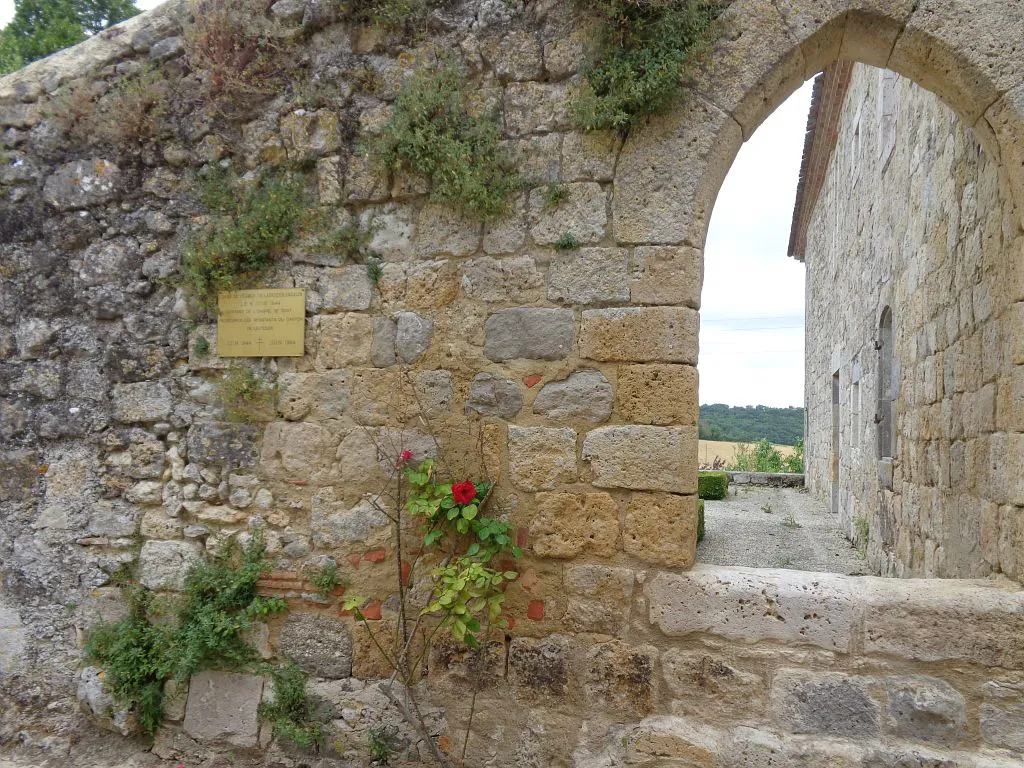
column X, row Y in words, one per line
column 585, row 395
column 157, row 524
column 533, row 333
column 222, row 708
column 493, row 396
column 112, row 518
column 514, row 279
column 334, row 524
column 329, row 180
column 347, row 288
column 413, row 333
column 345, row 339
column 421, row 285
column 221, row 443
column 666, row 275
column 295, row 450
column 931, row 620
column 563, row 56
column 1002, row 714
column 682, row 741
column 706, row 682
column 508, row 234
column 211, row 513
column 393, row 228
column 826, row 703
column 141, row 402
column 32, row 337
column 538, row 159
column 540, row 665
column 925, row 709
column 753, row 605
column 145, row 492
column 669, row 174
column 107, row 262
column 309, row 135
column 83, row 183
column 582, row 214
column 541, row 458
column 435, row 392
column 599, row 598
column 589, row 276
column 661, row 528
column 514, row 56
column 164, row 564
column 364, row 181
column 441, row 231
column 565, row 525
column 536, row 107
column 621, row 676
column 640, row 334
column 320, row 644
column 590, row 156
column 101, row 707
column 313, row 396
column 1006, row 467
column 643, row 458
column 657, row 394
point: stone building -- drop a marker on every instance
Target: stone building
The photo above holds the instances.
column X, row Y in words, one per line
column 911, row 404
column 567, row 376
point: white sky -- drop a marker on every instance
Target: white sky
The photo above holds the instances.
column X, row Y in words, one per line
column 752, row 315
column 752, row 307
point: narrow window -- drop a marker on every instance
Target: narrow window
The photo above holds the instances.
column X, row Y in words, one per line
column 885, row 386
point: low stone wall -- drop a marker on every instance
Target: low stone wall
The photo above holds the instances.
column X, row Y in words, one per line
column 773, row 479
column 717, row 667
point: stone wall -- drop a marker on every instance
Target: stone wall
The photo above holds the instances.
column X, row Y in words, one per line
column 912, row 216
column 568, row 377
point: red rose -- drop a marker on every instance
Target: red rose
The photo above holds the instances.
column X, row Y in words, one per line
column 404, row 458
column 463, row 493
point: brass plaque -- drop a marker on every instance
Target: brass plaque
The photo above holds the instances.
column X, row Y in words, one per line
column 268, row 322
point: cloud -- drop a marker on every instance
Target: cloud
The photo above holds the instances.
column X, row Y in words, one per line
column 752, row 306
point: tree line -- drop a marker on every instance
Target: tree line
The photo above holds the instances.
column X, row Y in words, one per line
column 747, row 424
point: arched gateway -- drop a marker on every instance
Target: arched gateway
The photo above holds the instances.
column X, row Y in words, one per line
column 566, row 374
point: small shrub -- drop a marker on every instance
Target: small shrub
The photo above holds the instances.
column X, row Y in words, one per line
column 643, row 50
column 767, row 509
column 700, row 519
column 72, row 112
column 554, row 196
column 374, row 270
column 380, row 747
column 244, row 396
column 350, row 241
column 712, row 485
column 201, row 346
column 253, row 225
column 292, row 713
column 237, row 49
column 763, row 457
column 433, row 135
column 219, row 602
column 324, row 578
column 567, row 242
column 790, row 522
column 862, row 526
column 389, row 15
column 134, row 111
column 795, row 463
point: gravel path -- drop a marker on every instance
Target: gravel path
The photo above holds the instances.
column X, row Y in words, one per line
column 775, row 528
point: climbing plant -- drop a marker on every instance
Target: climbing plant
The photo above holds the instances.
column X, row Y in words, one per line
column 641, row 53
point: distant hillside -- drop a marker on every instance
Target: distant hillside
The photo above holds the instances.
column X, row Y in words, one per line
column 783, row 426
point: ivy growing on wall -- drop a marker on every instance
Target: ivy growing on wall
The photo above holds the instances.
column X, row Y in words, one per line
column 641, row 54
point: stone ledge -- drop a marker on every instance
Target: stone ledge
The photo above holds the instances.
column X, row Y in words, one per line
column 977, row 621
column 771, row 479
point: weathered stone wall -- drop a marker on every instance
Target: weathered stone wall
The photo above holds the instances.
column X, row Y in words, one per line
column 568, row 376
column 912, row 216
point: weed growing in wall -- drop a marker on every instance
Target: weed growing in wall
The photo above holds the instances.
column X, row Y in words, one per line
column 244, row 396
column 203, row 629
column 251, row 225
column 292, row 713
column 389, row 15
column 567, row 242
column 433, row 134
column 237, row 49
column 324, row 578
column 641, row 55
